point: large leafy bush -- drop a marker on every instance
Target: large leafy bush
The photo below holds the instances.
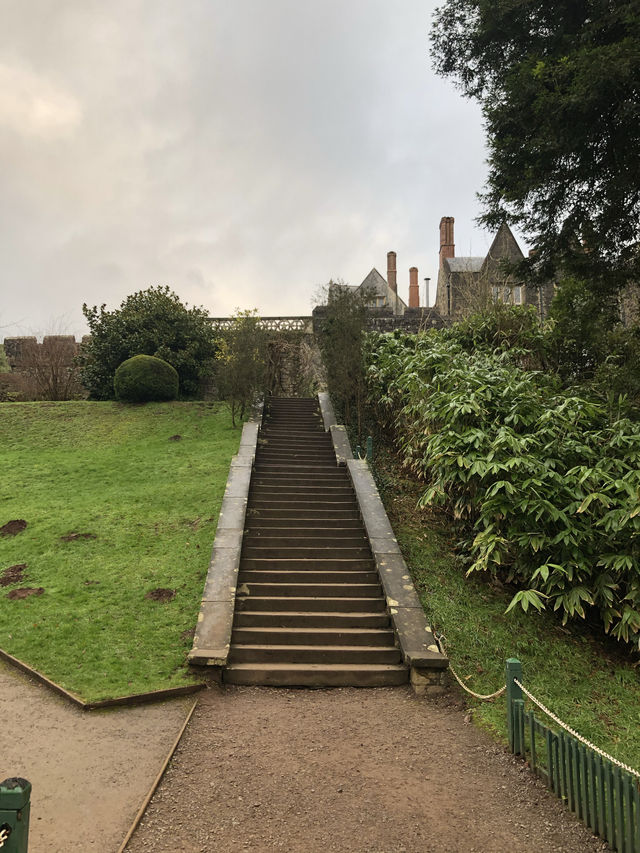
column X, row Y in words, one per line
column 545, row 482
column 150, row 322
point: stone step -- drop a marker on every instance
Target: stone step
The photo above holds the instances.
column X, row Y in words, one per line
column 312, row 539
column 316, row 675
column 319, row 440
column 314, row 636
column 284, row 525
column 302, row 513
column 299, row 468
column 323, row 504
column 286, row 451
column 339, row 620
column 323, row 492
column 254, row 653
column 322, row 458
column 307, row 590
column 293, row 479
column 316, row 604
column 251, row 576
column 302, row 564
column 326, row 472
column 324, row 553
column 264, row 490
column 295, row 432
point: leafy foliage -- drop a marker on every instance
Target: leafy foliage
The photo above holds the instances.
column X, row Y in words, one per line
column 241, row 363
column 144, row 378
column 340, row 330
column 149, row 322
column 544, row 481
column 587, row 344
column 4, row 363
column 558, row 87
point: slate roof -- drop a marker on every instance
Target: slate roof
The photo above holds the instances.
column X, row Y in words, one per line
column 375, row 283
column 465, row 264
column 379, row 287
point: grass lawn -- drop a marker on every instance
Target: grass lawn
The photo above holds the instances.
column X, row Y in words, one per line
column 145, row 505
column 591, row 684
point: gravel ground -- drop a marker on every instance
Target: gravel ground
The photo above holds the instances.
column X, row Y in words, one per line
column 90, row 770
column 352, row 770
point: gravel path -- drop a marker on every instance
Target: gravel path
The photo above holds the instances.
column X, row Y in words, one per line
column 348, row 770
column 90, row 770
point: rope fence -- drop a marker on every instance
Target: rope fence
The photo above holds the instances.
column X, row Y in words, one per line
column 601, row 790
column 574, row 733
column 440, row 638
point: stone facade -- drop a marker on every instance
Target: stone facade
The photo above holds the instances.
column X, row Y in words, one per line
column 469, row 284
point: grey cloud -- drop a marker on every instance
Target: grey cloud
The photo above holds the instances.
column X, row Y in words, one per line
column 242, row 153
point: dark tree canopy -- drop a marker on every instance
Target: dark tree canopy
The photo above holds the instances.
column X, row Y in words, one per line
column 150, row 322
column 559, row 86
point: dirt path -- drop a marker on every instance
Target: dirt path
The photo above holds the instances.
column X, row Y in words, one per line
column 350, row 771
column 90, row 771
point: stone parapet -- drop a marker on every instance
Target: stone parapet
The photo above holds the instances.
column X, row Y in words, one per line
column 212, row 638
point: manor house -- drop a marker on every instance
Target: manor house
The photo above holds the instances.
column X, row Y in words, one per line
column 469, row 284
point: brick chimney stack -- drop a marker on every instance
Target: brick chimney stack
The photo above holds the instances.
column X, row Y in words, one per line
column 392, row 279
column 414, row 290
column 447, row 246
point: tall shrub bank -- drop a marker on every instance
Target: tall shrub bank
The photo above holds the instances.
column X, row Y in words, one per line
column 545, row 482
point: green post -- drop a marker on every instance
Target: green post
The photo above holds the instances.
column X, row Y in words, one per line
column 514, row 670
column 15, row 806
column 369, row 449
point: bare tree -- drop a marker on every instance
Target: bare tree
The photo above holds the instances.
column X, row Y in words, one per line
column 48, row 370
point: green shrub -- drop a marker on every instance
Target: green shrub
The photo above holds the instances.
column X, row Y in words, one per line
column 144, row 378
column 152, row 322
column 545, row 482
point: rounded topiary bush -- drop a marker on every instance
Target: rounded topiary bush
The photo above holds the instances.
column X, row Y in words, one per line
column 144, row 378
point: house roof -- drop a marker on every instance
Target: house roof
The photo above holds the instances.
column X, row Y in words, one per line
column 378, row 286
column 464, row 264
column 375, row 282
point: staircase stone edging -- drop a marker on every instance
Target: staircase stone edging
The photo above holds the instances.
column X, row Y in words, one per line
column 415, row 637
column 339, row 436
column 212, row 638
column 326, row 410
column 417, row 643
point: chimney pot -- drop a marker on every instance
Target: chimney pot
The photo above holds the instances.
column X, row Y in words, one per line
column 392, row 279
column 414, row 289
column 447, row 245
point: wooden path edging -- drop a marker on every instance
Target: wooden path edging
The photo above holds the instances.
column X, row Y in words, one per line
column 215, row 621
column 415, row 637
column 116, row 702
column 156, row 782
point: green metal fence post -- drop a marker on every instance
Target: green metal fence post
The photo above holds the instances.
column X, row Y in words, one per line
column 15, row 806
column 369, row 449
column 514, row 670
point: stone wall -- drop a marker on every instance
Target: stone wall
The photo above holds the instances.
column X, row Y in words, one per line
column 41, row 371
column 21, row 351
column 384, row 320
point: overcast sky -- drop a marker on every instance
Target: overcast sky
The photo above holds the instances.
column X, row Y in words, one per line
column 243, row 152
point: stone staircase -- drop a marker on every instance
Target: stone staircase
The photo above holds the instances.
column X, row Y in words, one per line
column 309, row 605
